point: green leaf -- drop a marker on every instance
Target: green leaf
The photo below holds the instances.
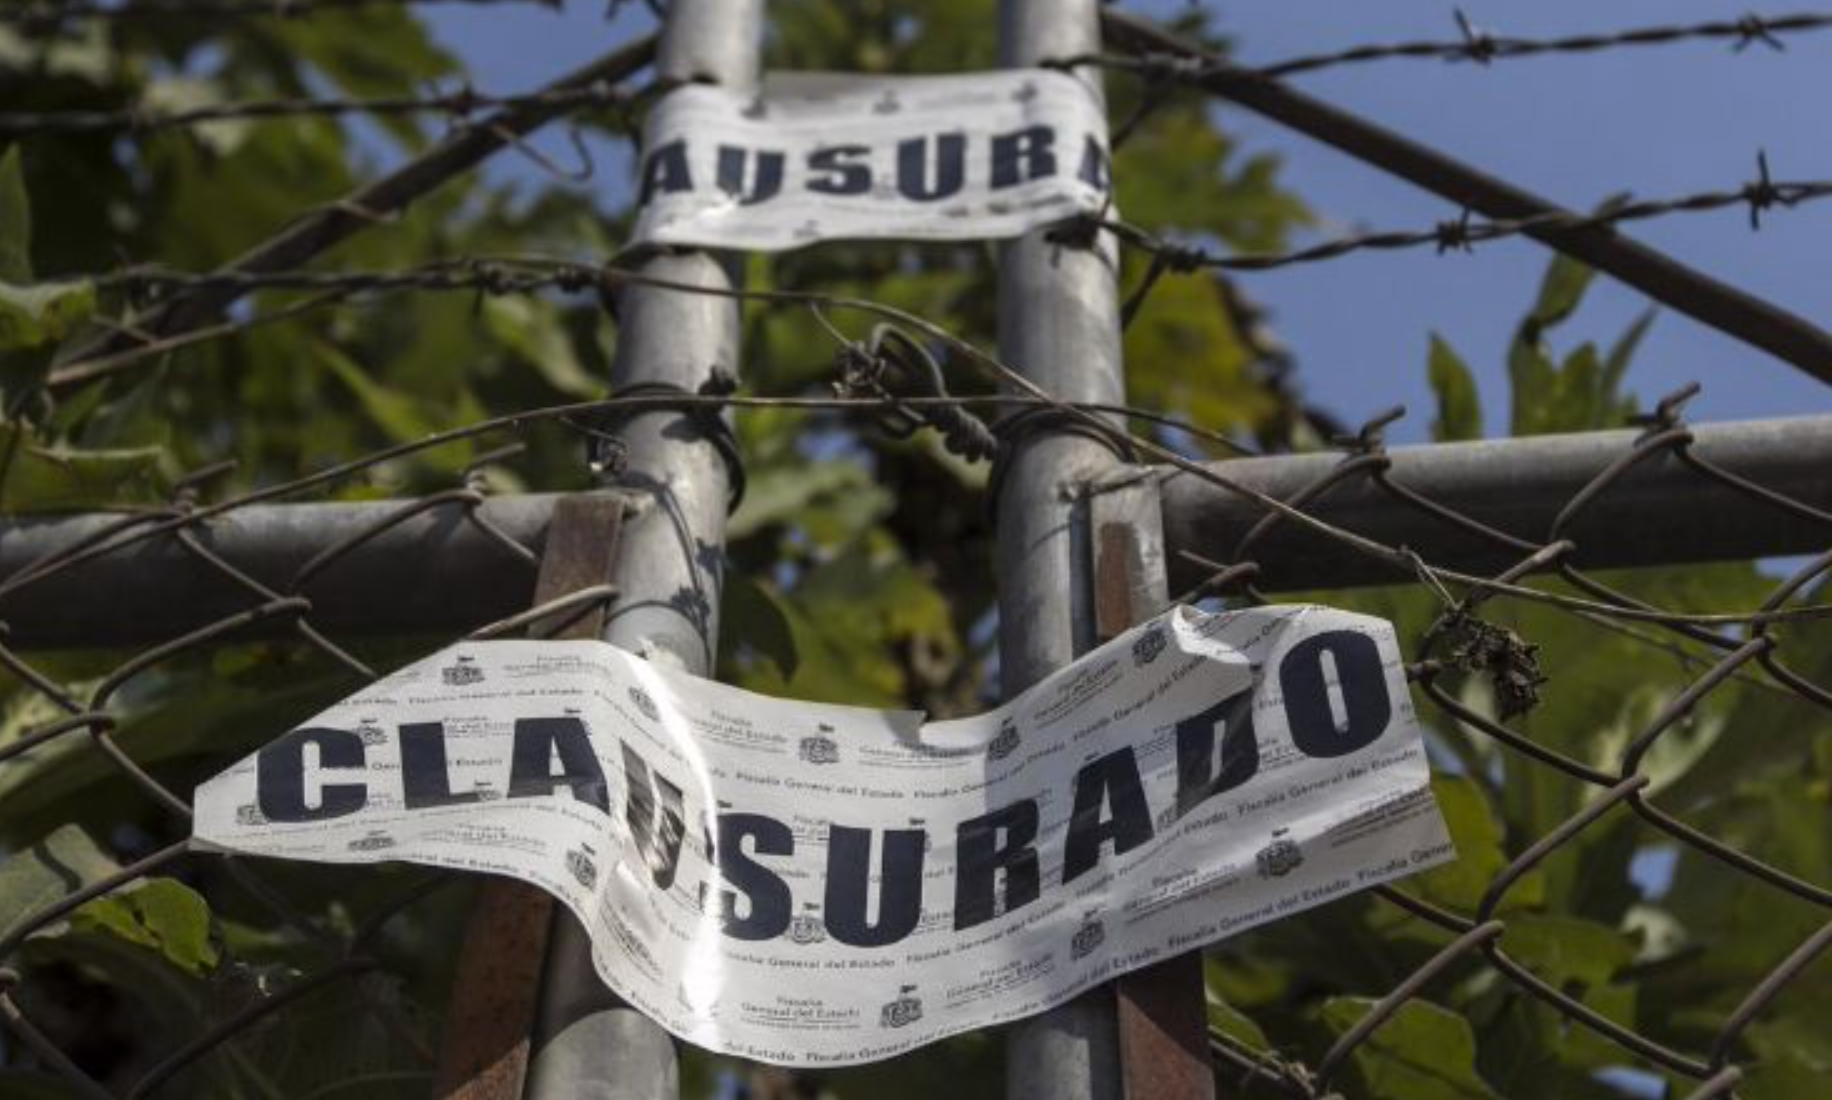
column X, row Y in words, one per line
column 782, row 493
column 153, row 943
column 1459, row 407
column 41, row 478
column 369, row 52
column 47, row 871
column 1615, row 365
column 15, row 222
column 1560, row 291
column 399, row 415
column 161, row 915
column 37, row 1086
column 1422, row 1052
column 1187, row 358
column 187, row 93
column 751, row 616
column 1581, row 959
column 42, row 313
column 1475, row 829
column 532, row 329
column 192, row 718
column 1224, row 1017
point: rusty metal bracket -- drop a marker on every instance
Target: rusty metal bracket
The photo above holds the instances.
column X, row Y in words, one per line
column 1163, row 1021
column 497, row 987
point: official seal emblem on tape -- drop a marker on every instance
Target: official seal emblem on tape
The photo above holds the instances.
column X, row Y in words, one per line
column 807, row 927
column 1147, row 646
column 1005, row 743
column 583, row 870
column 461, row 672
column 903, row 1011
column 820, row 749
column 1088, row 937
column 1280, row 857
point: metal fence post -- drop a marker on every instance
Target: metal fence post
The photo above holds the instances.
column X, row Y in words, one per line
column 1059, row 325
column 670, row 563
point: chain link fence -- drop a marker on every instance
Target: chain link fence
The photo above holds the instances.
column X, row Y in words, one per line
column 894, row 378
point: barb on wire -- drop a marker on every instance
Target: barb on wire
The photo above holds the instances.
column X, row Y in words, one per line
column 896, row 375
column 1757, row 322
column 532, row 272
column 459, row 106
column 1482, row 47
column 1462, row 233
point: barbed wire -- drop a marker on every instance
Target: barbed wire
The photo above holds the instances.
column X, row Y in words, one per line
column 49, row 16
column 314, row 231
column 1464, row 232
column 459, row 106
column 504, row 275
column 529, row 274
column 894, row 375
column 1479, row 937
column 1760, row 323
column 1481, row 47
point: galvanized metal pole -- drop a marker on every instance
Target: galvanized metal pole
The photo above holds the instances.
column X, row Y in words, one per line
column 591, row 1046
column 1059, row 325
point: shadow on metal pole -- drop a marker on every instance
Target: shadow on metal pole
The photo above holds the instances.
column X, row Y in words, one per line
column 670, row 563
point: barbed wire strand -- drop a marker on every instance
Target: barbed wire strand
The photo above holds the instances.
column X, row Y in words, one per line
column 572, row 275
column 41, row 16
column 459, row 106
column 316, row 231
column 1462, row 941
column 1756, row 321
column 1481, row 47
column 1482, row 935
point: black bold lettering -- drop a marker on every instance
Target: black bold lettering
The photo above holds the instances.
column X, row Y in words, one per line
column 981, row 853
column 1362, row 684
column 279, row 776
column 657, row 830
column 1112, row 779
column 849, row 885
column 1197, row 777
column 1095, row 170
column 665, row 171
column 425, row 776
column 766, row 895
column 531, row 773
column 846, row 176
column 733, row 161
column 1023, row 155
column 913, row 167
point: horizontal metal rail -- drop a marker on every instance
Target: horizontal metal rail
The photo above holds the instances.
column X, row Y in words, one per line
column 1660, row 511
column 439, row 570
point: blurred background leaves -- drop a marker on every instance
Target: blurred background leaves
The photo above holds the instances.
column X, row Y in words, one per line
column 859, row 573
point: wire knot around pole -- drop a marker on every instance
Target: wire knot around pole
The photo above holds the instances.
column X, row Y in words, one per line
column 893, row 366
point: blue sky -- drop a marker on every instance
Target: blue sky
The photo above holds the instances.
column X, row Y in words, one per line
column 1656, row 122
